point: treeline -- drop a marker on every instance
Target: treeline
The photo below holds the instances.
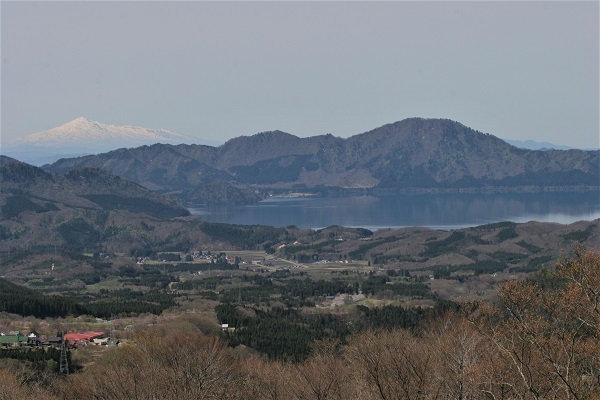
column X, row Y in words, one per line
column 279, row 333
column 398, row 317
column 42, row 358
column 286, row 334
column 156, row 209
column 16, row 204
column 378, row 284
column 450, row 244
column 307, row 287
column 39, row 306
column 16, row 299
column 79, row 235
column 503, row 261
column 260, row 289
column 219, row 265
column 244, row 236
column 128, row 302
column 218, row 193
column 116, row 307
column 292, row 291
column 19, row 300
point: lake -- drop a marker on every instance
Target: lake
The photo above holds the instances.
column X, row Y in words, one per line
column 438, row 211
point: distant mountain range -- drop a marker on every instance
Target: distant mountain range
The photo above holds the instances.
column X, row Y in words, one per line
column 534, row 145
column 83, row 136
column 413, row 154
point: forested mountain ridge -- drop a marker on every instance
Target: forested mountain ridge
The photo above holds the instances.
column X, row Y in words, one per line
column 85, row 208
column 413, row 153
column 23, row 185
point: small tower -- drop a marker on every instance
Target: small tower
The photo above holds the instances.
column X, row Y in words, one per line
column 64, row 360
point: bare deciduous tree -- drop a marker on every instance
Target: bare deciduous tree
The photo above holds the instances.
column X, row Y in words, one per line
column 550, row 337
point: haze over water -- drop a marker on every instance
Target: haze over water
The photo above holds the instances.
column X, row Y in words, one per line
column 439, row 211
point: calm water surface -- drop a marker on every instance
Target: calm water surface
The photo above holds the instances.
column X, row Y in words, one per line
column 447, row 211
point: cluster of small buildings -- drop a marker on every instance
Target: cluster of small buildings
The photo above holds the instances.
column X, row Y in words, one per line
column 205, row 255
column 17, row 339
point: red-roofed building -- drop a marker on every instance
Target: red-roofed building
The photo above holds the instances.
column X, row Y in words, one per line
column 74, row 338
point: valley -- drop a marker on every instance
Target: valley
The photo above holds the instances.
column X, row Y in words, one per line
column 110, row 250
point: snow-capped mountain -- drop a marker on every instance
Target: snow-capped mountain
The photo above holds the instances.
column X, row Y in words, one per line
column 84, row 132
column 84, row 136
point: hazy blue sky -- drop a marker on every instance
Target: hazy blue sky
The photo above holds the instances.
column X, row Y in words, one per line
column 216, row 70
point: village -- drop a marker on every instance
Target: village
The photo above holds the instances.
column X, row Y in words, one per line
column 14, row 339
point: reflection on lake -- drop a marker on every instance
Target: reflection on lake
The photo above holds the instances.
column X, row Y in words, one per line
column 439, row 211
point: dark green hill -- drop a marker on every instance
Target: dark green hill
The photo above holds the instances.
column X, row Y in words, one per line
column 28, row 188
column 17, row 299
column 18, row 173
column 86, row 209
